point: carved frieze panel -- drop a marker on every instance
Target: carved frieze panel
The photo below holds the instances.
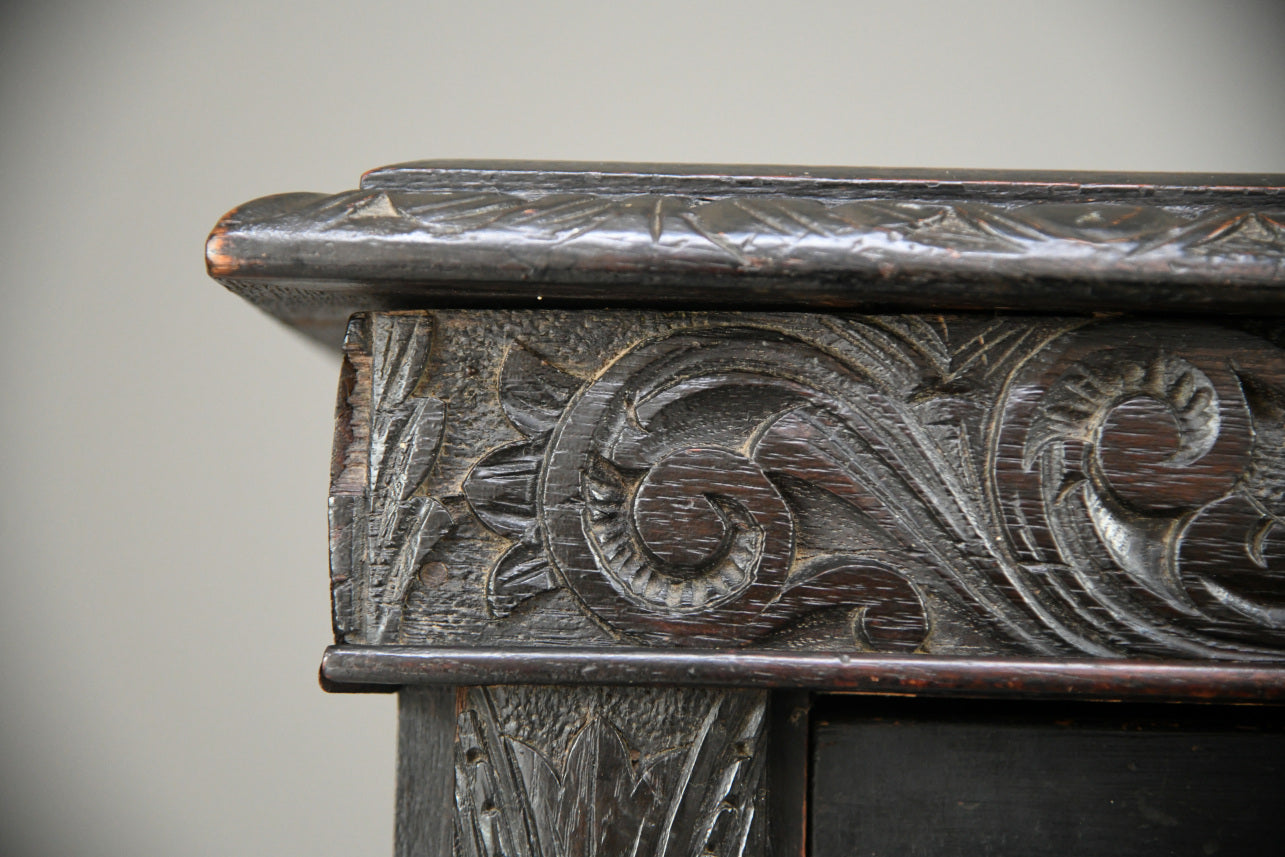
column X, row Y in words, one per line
column 974, row 484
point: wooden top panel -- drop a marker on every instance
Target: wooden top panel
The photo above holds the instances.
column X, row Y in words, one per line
column 720, row 237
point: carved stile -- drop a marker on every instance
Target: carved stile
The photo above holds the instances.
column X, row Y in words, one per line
column 382, row 527
column 596, row 772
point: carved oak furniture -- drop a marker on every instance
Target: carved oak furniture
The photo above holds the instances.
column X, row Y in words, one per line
column 748, row 511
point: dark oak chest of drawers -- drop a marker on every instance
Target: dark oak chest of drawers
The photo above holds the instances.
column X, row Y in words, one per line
column 750, row 511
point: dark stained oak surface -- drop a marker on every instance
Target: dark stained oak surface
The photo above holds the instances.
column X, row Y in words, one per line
column 375, row 667
column 986, row 486
column 633, row 464
column 1057, row 779
column 716, row 180
column 530, row 235
column 425, row 775
column 593, row 772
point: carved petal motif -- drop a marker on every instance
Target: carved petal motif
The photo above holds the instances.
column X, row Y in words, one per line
column 522, row 572
column 501, row 490
column 533, row 392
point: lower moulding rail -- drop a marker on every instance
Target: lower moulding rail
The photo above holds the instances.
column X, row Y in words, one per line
column 373, row 668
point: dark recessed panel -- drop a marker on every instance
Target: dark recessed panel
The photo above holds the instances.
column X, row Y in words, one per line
column 976, row 779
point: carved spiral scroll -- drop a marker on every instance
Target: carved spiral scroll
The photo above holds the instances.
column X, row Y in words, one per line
column 655, row 509
column 1144, row 499
column 706, row 523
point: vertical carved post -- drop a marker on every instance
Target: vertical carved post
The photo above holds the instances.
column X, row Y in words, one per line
column 585, row 772
column 564, row 772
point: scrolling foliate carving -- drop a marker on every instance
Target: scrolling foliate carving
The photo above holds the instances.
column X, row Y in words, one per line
column 653, row 773
column 1145, row 501
column 891, row 483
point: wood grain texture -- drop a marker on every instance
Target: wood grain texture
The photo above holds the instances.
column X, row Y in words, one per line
column 648, row 235
column 597, row 772
column 717, row 180
column 942, row 485
column 646, row 512
column 788, row 772
column 425, row 772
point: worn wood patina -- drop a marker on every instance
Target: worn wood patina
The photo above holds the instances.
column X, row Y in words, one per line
column 631, row 463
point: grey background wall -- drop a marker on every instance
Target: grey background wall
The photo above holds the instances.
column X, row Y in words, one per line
column 165, row 447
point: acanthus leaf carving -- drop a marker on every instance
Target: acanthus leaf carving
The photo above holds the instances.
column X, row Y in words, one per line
column 521, row 573
column 1051, row 486
column 390, row 526
column 602, row 796
column 675, row 486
